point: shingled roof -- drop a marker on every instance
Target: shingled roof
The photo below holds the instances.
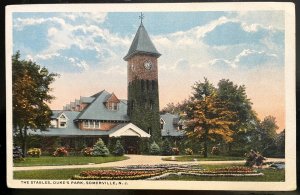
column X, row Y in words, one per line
column 97, row 110
column 169, row 129
column 141, row 44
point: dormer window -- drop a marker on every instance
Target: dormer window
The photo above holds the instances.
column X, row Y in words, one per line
column 112, row 102
column 62, row 121
column 162, row 122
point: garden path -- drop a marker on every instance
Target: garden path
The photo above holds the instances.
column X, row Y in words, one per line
column 137, row 160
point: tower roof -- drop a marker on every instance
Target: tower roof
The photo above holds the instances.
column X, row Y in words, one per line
column 141, row 44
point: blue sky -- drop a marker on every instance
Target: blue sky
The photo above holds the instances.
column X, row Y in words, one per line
column 87, row 50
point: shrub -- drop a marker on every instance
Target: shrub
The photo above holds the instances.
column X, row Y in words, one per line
column 34, row 152
column 61, row 151
column 119, row 150
column 175, row 151
column 99, row 149
column 88, row 151
column 215, row 151
column 188, row 151
column 154, row 149
column 166, row 148
column 18, row 154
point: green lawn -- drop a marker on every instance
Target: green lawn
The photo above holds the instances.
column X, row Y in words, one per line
column 270, row 176
column 64, row 174
column 68, row 160
column 201, row 158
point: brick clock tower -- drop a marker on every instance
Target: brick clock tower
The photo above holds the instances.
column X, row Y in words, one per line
column 142, row 75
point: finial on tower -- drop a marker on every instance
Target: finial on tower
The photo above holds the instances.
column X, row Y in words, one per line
column 141, row 17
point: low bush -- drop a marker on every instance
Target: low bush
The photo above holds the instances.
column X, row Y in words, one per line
column 88, row 151
column 100, row 149
column 154, row 149
column 34, row 152
column 215, row 150
column 61, row 151
column 188, row 151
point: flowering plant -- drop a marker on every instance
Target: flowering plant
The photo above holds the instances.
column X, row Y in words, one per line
column 188, row 151
column 116, row 174
column 34, row 152
column 88, row 151
column 62, row 151
column 175, row 151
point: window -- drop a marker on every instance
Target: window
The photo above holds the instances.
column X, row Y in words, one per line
column 112, row 106
column 86, row 124
column 151, row 104
column 143, row 85
column 148, row 85
column 92, row 124
column 97, row 125
column 149, row 130
column 153, row 85
column 115, row 106
column 62, row 116
column 162, row 122
column 63, row 124
column 180, row 127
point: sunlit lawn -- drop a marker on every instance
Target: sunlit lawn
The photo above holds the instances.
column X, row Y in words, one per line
column 270, row 175
column 68, row 160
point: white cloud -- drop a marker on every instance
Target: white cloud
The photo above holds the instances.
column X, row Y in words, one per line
column 46, row 56
column 20, row 23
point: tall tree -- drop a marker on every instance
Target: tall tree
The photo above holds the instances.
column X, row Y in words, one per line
column 30, row 91
column 208, row 118
column 238, row 102
column 263, row 139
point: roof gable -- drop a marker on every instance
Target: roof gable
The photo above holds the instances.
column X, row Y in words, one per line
column 141, row 44
column 128, row 130
column 112, row 98
column 97, row 110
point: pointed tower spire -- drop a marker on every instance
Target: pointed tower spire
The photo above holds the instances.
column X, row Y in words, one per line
column 141, row 43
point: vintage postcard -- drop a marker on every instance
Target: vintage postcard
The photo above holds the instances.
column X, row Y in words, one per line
column 191, row 96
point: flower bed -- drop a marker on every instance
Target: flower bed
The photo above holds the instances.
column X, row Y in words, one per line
column 116, row 175
column 155, row 172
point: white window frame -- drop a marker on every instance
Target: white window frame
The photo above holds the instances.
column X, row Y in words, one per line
column 84, row 124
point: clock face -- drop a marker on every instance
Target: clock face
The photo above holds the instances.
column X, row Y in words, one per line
column 147, row 65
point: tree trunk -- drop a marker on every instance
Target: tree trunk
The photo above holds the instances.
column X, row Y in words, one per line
column 24, row 142
column 205, row 143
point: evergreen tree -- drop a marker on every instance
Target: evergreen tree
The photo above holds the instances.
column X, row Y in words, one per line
column 119, row 150
column 99, row 149
column 238, row 102
column 154, row 149
column 166, row 148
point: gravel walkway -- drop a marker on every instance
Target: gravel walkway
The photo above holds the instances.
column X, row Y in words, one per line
column 136, row 160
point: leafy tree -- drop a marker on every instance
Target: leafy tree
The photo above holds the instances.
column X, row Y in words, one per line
column 237, row 101
column 30, row 91
column 119, row 150
column 264, row 137
column 208, row 118
column 280, row 143
column 99, row 149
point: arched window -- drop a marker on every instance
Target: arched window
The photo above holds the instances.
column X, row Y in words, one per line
column 153, row 85
column 143, row 85
column 151, row 105
column 148, row 85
